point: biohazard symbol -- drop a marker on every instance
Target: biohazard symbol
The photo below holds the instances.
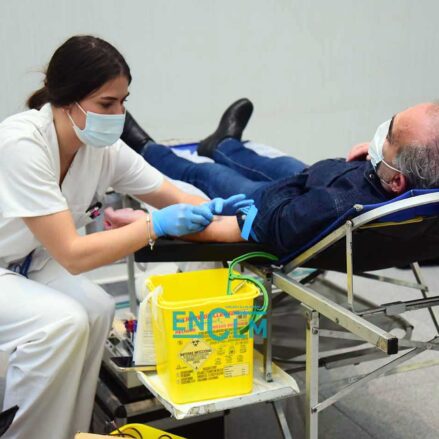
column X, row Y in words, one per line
column 195, row 353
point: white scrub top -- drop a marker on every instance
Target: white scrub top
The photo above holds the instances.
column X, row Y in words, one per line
column 30, row 174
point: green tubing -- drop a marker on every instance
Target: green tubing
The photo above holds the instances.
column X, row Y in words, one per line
column 231, row 276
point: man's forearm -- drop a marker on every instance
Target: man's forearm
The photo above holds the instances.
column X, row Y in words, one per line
column 222, row 229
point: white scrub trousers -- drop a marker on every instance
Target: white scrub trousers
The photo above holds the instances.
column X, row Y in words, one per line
column 53, row 326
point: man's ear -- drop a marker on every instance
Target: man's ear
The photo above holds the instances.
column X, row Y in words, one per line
column 398, row 184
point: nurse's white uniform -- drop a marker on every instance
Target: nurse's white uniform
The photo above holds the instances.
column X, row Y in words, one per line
column 53, row 325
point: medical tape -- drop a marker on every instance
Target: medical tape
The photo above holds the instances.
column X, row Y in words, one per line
column 248, row 223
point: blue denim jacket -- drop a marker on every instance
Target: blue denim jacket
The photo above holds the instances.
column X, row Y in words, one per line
column 294, row 210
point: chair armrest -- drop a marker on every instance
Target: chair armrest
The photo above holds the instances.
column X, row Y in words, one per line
column 176, row 250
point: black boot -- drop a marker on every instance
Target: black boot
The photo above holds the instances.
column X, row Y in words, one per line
column 133, row 134
column 232, row 124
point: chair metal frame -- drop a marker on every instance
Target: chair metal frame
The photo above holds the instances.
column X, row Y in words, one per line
column 355, row 323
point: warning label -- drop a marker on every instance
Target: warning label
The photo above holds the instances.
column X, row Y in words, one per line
column 236, row 370
column 195, row 353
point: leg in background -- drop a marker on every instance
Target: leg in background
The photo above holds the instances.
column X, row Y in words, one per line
column 213, row 179
column 233, row 154
column 224, row 146
column 134, row 135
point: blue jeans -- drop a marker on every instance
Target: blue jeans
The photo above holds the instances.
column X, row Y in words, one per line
column 236, row 169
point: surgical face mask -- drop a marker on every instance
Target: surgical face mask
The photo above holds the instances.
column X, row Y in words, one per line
column 377, row 143
column 100, row 129
column 376, row 146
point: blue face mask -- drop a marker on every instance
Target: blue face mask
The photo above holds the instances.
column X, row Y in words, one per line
column 376, row 146
column 100, row 129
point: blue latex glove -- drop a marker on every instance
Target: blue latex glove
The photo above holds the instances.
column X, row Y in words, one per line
column 181, row 219
column 229, row 206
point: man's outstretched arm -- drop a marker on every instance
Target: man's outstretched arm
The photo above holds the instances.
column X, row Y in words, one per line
column 221, row 229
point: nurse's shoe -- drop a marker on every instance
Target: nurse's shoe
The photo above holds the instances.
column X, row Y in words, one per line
column 133, row 134
column 232, row 124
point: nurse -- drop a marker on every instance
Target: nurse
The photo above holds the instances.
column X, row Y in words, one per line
column 57, row 161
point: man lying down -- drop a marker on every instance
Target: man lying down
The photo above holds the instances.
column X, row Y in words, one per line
column 296, row 201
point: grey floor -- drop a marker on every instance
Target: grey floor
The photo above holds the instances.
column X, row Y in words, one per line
column 397, row 406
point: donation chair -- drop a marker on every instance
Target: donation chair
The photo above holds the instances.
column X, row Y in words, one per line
column 400, row 232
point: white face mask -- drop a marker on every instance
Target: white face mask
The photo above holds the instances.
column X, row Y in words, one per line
column 100, row 129
column 376, row 146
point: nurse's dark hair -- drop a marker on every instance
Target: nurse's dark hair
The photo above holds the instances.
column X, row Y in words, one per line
column 78, row 67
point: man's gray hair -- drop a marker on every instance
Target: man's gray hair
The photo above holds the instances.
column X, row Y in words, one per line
column 420, row 164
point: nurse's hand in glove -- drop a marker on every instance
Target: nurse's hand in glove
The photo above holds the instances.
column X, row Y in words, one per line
column 228, row 206
column 181, row 219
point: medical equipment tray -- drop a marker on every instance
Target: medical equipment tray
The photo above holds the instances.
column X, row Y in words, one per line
column 282, row 386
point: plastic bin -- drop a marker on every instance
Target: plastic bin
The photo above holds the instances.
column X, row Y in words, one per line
column 201, row 353
column 142, row 431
